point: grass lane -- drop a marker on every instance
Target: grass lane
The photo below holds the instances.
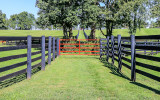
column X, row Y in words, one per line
column 77, row 77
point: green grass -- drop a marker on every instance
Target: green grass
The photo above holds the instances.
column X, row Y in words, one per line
column 35, row 33
column 79, row 77
column 15, row 61
column 124, row 32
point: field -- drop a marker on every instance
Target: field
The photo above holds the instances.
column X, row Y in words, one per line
column 123, row 32
column 78, row 77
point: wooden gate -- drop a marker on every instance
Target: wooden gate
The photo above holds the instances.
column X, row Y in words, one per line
column 79, row 47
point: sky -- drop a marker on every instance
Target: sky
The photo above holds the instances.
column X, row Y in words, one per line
column 10, row 7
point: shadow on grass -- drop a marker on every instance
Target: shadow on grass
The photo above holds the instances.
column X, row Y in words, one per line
column 146, row 87
column 20, row 77
column 115, row 71
column 17, row 78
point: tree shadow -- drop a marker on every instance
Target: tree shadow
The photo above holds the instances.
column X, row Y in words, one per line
column 17, row 78
column 115, row 71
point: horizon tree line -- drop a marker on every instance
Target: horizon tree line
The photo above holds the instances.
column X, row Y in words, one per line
column 93, row 14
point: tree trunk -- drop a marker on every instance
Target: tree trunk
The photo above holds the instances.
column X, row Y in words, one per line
column 109, row 28
column 65, row 31
column 70, row 32
column 93, row 30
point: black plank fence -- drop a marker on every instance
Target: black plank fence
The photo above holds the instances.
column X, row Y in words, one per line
column 120, row 49
column 50, row 44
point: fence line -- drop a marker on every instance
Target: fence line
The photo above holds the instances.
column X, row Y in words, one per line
column 134, row 47
column 42, row 44
column 85, row 35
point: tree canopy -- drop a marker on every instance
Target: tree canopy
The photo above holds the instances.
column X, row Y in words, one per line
column 3, row 21
column 93, row 14
column 60, row 12
column 22, row 21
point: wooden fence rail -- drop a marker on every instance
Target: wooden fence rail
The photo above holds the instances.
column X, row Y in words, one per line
column 50, row 44
column 121, row 48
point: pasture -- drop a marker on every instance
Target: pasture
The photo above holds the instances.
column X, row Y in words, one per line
column 37, row 33
column 78, row 77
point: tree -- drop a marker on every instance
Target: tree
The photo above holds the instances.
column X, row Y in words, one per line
column 22, row 21
column 3, row 21
column 13, row 21
column 155, row 24
column 109, row 17
column 90, row 15
column 155, row 8
column 61, row 12
column 43, row 22
column 130, row 13
column 134, row 14
column 25, row 21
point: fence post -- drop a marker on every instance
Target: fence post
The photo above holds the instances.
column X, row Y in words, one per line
column 152, row 45
column 53, row 48
column 49, row 49
column 101, row 49
column 29, row 46
column 43, row 53
column 112, row 44
column 107, row 51
column 58, row 47
column 145, row 45
column 133, row 60
column 157, row 45
column 119, row 53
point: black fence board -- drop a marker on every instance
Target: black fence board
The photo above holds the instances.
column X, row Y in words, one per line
column 36, row 65
column 35, row 53
column 12, row 75
column 13, row 66
column 13, row 57
column 126, row 52
column 148, row 57
column 148, row 75
column 148, row 37
column 126, row 45
column 12, row 48
column 152, row 67
column 4, row 38
column 147, row 47
column 125, row 65
column 35, row 59
column 126, row 59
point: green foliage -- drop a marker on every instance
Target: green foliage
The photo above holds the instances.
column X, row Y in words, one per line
column 58, row 12
column 90, row 15
column 43, row 22
column 22, row 21
column 155, row 8
column 13, row 21
column 3, row 21
column 155, row 24
column 123, row 13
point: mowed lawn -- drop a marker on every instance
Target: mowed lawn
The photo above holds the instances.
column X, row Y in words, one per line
column 123, row 32
column 79, row 77
column 34, row 33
